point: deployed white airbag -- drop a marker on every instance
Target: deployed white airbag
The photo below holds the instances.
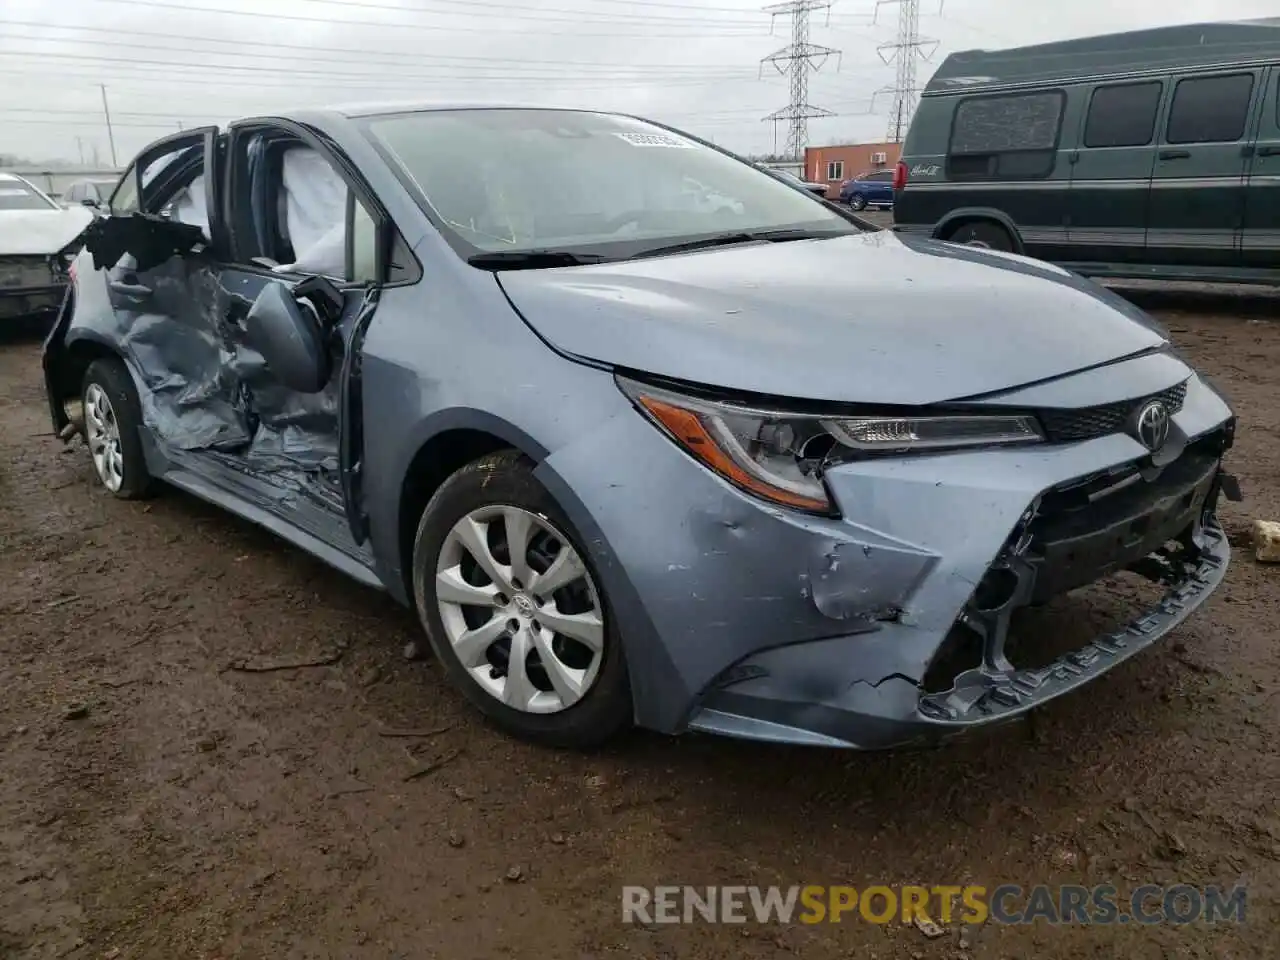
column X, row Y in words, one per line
column 315, row 214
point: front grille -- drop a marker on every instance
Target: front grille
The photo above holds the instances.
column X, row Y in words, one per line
column 1070, row 426
column 20, row 273
column 1084, row 531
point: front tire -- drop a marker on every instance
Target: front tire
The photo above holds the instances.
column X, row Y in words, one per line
column 858, row 203
column 513, row 609
column 113, row 430
column 980, row 233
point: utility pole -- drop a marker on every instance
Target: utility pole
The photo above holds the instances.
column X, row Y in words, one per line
column 111, row 137
column 906, row 51
column 80, row 149
column 796, row 60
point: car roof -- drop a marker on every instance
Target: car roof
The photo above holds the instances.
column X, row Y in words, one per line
column 1110, row 55
column 379, row 107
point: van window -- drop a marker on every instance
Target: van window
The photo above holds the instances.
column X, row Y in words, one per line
column 1014, row 136
column 1123, row 115
column 1210, row 109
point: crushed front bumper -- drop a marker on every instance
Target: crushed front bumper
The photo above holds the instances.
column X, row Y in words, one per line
column 1162, row 527
column 31, row 285
column 781, row 704
column 817, row 693
column 745, row 619
column 30, row 302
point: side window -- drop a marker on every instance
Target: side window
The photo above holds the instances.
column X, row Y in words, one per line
column 1009, row 137
column 292, row 212
column 835, row 170
column 882, row 177
column 125, row 200
column 1210, row 109
column 1123, row 115
column 166, row 174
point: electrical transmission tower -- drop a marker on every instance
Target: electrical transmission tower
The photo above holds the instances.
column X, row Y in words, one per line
column 905, row 52
column 796, row 60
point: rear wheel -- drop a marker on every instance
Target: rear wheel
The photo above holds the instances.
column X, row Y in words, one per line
column 112, row 430
column 513, row 609
column 982, row 233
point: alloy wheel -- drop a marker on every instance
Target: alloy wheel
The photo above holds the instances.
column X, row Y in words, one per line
column 519, row 608
column 102, row 431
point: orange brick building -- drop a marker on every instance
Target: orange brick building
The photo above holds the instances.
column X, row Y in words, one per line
column 834, row 165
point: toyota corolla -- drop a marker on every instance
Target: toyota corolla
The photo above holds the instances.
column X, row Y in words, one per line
column 634, row 456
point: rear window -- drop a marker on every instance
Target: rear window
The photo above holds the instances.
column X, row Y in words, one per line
column 17, row 195
column 1210, row 109
column 1123, row 115
column 1013, row 136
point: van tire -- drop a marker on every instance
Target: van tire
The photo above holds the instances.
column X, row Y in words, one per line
column 982, row 233
column 858, row 203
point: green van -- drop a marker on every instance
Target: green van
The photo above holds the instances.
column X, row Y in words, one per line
column 1154, row 153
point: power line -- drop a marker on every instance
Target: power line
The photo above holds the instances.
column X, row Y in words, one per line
column 619, row 71
column 905, row 53
column 147, row 125
column 515, row 12
column 406, row 25
column 363, row 55
column 325, row 74
column 800, row 56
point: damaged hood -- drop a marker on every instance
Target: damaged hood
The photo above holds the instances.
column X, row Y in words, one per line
column 866, row 318
column 24, row 232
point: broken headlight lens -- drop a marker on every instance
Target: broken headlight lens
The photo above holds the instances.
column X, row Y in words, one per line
column 780, row 456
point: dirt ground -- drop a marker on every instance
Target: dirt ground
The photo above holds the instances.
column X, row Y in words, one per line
column 156, row 802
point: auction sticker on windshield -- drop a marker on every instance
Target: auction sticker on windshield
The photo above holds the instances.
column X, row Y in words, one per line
column 653, row 140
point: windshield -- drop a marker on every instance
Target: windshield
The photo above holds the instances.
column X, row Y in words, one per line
column 524, row 180
column 20, row 195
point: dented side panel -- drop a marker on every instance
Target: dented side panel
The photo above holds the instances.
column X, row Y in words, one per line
column 175, row 317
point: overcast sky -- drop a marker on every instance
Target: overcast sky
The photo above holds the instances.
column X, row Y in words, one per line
column 691, row 63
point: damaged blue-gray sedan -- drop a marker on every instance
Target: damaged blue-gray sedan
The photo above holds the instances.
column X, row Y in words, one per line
column 642, row 433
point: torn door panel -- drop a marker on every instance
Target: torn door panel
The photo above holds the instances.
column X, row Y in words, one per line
column 190, row 397
column 201, row 384
column 149, row 239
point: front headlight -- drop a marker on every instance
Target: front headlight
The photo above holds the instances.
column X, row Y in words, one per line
column 781, row 455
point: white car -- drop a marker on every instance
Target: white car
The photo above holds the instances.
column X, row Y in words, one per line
column 37, row 241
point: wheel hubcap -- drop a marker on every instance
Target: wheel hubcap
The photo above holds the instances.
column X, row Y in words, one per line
column 519, row 609
column 103, row 435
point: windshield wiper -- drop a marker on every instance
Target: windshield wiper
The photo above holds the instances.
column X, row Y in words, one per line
column 533, row 259
column 743, row 236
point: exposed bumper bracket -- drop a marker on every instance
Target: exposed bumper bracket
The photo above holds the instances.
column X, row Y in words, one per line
column 980, row 698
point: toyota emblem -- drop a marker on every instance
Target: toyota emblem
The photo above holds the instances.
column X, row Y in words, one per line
column 1153, row 425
